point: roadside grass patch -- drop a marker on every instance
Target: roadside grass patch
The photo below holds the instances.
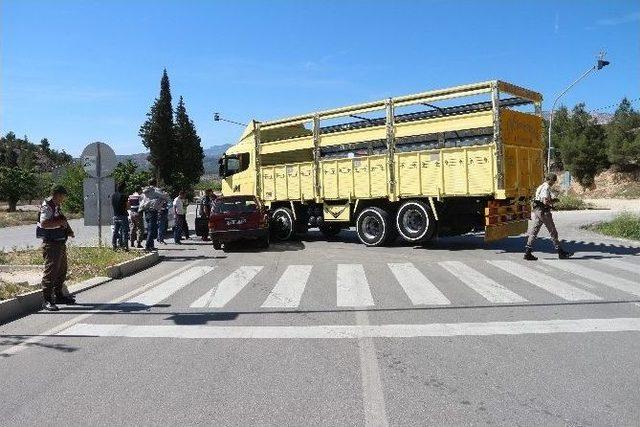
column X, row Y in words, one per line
column 84, row 262
column 571, row 202
column 27, row 217
column 10, row 290
column 626, row 225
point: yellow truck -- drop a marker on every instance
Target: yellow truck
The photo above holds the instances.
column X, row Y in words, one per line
column 442, row 162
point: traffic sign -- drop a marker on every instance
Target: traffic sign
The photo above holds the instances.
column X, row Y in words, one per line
column 94, row 188
column 98, row 159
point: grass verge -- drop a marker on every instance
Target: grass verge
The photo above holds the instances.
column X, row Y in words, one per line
column 570, row 202
column 12, row 219
column 626, row 225
column 10, row 290
column 84, row 262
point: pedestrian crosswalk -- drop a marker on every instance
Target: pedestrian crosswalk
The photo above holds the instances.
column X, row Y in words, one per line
column 444, row 283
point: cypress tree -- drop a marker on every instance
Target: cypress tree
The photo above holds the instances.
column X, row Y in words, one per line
column 188, row 145
column 157, row 133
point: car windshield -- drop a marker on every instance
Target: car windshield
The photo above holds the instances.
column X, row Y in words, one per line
column 235, row 205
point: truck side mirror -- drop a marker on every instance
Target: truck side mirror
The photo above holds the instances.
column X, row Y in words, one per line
column 221, row 168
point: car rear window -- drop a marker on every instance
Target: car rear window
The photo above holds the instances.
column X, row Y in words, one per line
column 235, row 205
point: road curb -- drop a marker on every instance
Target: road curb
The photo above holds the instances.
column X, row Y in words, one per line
column 133, row 266
column 31, row 302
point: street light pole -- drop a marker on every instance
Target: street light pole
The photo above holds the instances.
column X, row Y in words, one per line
column 598, row 66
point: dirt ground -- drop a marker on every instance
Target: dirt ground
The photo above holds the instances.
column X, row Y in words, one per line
column 609, row 184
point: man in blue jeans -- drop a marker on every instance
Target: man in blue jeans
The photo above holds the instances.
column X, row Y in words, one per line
column 149, row 205
column 119, row 202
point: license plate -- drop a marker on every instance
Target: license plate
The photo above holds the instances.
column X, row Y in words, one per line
column 236, row 221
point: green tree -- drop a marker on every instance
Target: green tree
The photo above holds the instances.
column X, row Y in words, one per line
column 72, row 179
column 559, row 128
column 188, row 144
column 15, row 184
column 45, row 145
column 582, row 146
column 622, row 140
column 157, row 132
column 128, row 173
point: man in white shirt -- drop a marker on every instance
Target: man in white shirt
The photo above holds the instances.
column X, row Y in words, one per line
column 180, row 214
column 541, row 215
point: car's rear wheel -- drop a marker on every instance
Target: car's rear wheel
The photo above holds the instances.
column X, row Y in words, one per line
column 283, row 224
column 374, row 227
column 415, row 222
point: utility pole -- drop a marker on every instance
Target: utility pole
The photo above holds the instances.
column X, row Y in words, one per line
column 599, row 65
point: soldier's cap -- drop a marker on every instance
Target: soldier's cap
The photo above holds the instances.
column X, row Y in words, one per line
column 551, row 177
column 58, row 189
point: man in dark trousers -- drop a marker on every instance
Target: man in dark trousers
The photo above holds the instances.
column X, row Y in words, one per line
column 54, row 230
column 541, row 215
column 119, row 202
column 137, row 225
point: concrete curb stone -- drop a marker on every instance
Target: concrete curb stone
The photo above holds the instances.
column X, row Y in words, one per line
column 31, row 302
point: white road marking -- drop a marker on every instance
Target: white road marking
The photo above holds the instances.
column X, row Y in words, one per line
column 522, row 327
column 485, row 286
column 606, row 279
column 375, row 413
column 352, row 286
column 56, row 329
column 544, row 281
column 418, row 288
column 171, row 286
column 289, row 288
column 627, row 266
column 228, row 288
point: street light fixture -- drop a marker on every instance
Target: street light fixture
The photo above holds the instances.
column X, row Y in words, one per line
column 600, row 64
column 217, row 118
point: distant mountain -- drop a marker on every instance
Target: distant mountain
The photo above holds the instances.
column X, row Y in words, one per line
column 211, row 156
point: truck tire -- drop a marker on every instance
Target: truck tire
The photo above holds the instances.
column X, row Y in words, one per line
column 283, row 225
column 374, row 227
column 330, row 230
column 415, row 221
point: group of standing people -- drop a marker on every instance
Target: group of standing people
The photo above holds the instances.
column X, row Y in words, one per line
column 147, row 211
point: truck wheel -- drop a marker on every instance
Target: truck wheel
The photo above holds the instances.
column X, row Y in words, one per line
column 283, row 225
column 216, row 245
column 415, row 221
column 374, row 227
column 330, row 230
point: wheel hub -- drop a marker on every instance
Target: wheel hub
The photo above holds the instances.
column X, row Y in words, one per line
column 413, row 221
column 371, row 228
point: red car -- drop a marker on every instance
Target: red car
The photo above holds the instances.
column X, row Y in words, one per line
column 235, row 218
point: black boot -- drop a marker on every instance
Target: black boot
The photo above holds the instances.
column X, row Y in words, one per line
column 66, row 299
column 529, row 256
column 562, row 254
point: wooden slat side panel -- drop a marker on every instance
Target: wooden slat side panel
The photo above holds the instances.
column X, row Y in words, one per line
column 306, row 181
column 293, row 182
column 408, row 174
column 455, row 176
column 480, row 167
column 379, row 176
column 330, row 179
column 362, row 178
column 280, row 173
column 268, row 184
column 345, row 178
column 430, row 173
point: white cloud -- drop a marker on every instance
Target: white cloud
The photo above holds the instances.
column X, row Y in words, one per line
column 625, row 19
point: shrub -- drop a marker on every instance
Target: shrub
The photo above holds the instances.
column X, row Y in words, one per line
column 625, row 225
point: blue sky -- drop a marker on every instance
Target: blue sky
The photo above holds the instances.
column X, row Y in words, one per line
column 80, row 71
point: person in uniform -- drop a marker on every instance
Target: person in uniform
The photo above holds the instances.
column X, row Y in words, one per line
column 541, row 215
column 54, row 230
column 137, row 227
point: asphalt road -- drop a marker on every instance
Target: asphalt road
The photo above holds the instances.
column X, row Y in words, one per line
column 333, row 333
